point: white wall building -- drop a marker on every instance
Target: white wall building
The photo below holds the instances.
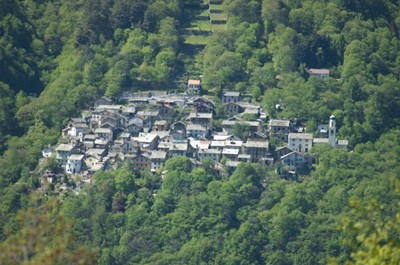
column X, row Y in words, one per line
column 300, row 142
column 74, row 164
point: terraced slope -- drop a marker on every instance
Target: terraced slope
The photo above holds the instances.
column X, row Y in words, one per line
column 202, row 18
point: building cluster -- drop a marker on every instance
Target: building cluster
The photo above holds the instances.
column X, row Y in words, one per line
column 148, row 130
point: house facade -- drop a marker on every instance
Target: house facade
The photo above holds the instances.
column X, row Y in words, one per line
column 230, row 96
column 141, row 162
column 300, row 142
column 74, row 164
column 62, row 153
column 194, row 86
column 279, row 129
column 294, row 161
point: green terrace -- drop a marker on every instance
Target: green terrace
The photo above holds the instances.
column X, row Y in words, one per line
column 216, row 7
column 218, row 27
column 218, row 16
column 196, row 39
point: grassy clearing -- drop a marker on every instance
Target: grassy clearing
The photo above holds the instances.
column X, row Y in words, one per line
column 196, row 40
column 218, row 27
column 200, row 25
column 204, row 13
column 216, row 7
column 216, row 16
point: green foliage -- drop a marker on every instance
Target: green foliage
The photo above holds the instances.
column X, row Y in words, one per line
column 241, row 130
column 53, row 244
column 72, row 52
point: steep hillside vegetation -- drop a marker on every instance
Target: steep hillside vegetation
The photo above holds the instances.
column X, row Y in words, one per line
column 57, row 56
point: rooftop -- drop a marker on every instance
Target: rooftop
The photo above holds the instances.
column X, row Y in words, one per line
column 146, row 137
column 158, row 155
column 195, row 127
column 75, row 157
column 178, row 147
column 222, row 137
column 230, row 151
column 199, row 144
column 102, row 130
column 307, row 136
column 200, row 115
column 257, row 144
column 64, row 147
column 109, row 107
column 281, row 123
column 96, row 151
column 314, row 71
column 233, row 143
column 194, row 82
column 292, row 153
column 209, row 151
column 231, row 94
column 321, row 141
column 145, row 113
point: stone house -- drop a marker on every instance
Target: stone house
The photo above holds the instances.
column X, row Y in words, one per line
column 230, row 96
column 204, row 119
column 279, row 129
column 196, row 131
column 104, row 134
column 256, row 149
column 213, row 154
column 141, row 162
column 300, row 142
column 158, row 159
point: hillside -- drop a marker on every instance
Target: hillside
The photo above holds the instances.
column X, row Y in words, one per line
column 57, row 57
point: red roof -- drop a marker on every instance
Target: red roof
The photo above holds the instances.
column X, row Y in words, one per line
column 194, row 82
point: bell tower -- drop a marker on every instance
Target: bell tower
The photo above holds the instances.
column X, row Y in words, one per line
column 332, row 130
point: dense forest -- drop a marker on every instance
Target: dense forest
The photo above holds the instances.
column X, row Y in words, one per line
column 57, row 57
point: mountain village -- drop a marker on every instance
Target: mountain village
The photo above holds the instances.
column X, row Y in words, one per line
column 151, row 127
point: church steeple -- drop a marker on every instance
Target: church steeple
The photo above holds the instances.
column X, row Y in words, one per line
column 332, row 130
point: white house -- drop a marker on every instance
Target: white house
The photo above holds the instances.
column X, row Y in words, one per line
column 194, row 85
column 77, row 128
column 74, row 164
column 300, row 142
column 47, row 151
column 62, row 152
column 148, row 140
